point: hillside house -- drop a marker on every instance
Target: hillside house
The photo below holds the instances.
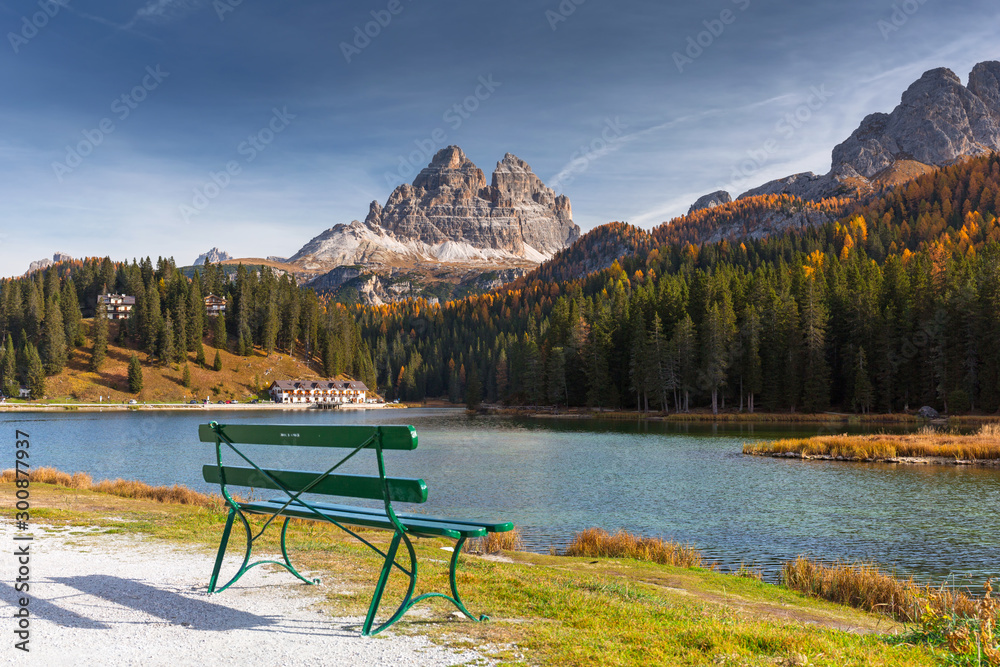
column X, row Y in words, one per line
column 116, row 306
column 214, row 305
column 310, row 391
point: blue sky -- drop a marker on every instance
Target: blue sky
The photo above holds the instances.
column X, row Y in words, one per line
column 166, row 127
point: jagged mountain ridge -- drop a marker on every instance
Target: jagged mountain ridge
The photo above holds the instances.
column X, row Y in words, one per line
column 450, row 215
column 937, row 122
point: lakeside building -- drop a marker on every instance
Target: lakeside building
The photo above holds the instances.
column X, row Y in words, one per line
column 116, row 306
column 310, row 391
column 214, row 305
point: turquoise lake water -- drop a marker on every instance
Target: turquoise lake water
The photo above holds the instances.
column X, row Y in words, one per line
column 687, row 482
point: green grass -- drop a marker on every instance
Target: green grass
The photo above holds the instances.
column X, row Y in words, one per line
column 552, row 610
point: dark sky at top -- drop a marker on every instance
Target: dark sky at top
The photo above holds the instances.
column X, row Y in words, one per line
column 166, row 127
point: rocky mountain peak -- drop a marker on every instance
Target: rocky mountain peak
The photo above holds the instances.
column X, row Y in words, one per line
column 937, row 122
column 450, row 214
column 711, row 200
column 450, row 168
column 214, row 256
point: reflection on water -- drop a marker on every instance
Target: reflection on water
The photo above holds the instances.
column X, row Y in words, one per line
column 553, row 477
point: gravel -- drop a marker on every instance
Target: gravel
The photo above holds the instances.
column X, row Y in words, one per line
column 122, row 600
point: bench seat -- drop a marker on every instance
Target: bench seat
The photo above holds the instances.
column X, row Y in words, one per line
column 416, row 524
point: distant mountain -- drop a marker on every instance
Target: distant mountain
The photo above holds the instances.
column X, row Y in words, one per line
column 214, row 256
column 45, row 262
column 938, row 122
column 449, row 215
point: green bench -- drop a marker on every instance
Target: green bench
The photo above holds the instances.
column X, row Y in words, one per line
column 294, row 483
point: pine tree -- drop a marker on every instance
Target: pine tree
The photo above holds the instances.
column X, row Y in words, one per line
column 195, row 316
column 71, row 314
column 816, row 384
column 684, row 345
column 557, row 376
column 638, row 360
column 166, row 349
column 53, row 338
column 134, row 375
column 100, row 331
column 217, row 364
column 219, row 336
column 35, row 372
column 473, row 390
column 8, row 371
column 186, row 380
column 199, row 352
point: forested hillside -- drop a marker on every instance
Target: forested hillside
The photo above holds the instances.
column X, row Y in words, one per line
column 40, row 319
column 894, row 305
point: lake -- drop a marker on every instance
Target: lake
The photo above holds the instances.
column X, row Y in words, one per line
column 552, row 478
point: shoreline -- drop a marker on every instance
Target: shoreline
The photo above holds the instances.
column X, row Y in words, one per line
column 902, row 460
column 149, row 407
column 540, row 412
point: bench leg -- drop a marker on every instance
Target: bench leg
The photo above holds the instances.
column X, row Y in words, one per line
column 288, row 562
column 454, row 585
column 383, row 578
column 222, row 552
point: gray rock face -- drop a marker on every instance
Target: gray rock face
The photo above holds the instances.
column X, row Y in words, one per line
column 450, row 214
column 214, row 256
column 711, row 200
column 927, row 412
column 45, row 262
column 937, row 122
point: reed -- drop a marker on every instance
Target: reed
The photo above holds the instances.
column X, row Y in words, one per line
column 597, row 543
column 964, row 624
column 981, row 446
column 125, row 489
column 496, row 542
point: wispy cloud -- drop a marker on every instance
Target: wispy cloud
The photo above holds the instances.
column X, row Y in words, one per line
column 161, row 10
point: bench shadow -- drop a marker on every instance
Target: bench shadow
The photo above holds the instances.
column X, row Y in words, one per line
column 44, row 609
column 167, row 605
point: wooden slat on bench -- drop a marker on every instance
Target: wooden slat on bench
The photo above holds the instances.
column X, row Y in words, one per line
column 393, row 437
column 418, row 526
column 490, row 526
column 401, row 489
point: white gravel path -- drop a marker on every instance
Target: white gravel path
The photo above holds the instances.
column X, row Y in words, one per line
column 122, row 600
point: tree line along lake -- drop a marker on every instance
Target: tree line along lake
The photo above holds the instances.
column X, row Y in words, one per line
column 554, row 477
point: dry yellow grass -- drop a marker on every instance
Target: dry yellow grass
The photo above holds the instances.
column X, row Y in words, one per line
column 597, row 543
column 119, row 487
column 981, row 446
column 497, row 542
column 966, row 625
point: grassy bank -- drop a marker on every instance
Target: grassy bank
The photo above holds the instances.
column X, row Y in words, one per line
column 609, row 609
column 926, row 446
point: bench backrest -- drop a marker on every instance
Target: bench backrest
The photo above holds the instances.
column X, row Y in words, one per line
column 292, row 482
